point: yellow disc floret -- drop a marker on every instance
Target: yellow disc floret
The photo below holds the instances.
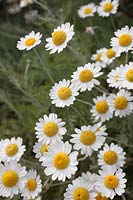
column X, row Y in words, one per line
column 99, row 55
column 11, row 149
column 86, row 76
column 87, row 11
column 31, row 184
column 108, row 7
column 120, row 103
column 30, row 41
column 59, row 37
column 125, row 40
column 129, row 75
column 111, row 181
column 10, row 178
column 99, row 197
column 50, row 129
column 87, row 137
column 102, row 107
column 81, row 194
column 110, row 53
column 44, row 149
column 110, row 157
column 64, row 93
column 61, row 160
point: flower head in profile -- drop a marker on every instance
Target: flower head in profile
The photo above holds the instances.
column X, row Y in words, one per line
column 109, row 55
column 60, row 37
column 29, row 41
column 87, row 10
column 97, row 57
column 24, row 3
column 108, row 7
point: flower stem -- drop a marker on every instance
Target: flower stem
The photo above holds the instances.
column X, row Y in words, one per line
column 123, row 197
column 126, row 57
column 113, row 22
column 84, row 102
column 45, row 68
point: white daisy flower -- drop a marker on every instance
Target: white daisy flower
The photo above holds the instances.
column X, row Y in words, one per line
column 87, row 10
column 126, row 78
column 88, row 139
column 63, row 93
column 111, row 156
column 12, row 179
column 59, row 161
column 40, row 148
column 100, row 197
column 123, row 42
column 29, row 41
column 37, row 198
column 109, row 55
column 97, row 57
column 79, row 189
column 11, row 149
column 85, row 77
column 114, row 77
column 101, row 109
column 24, row 3
column 33, row 185
column 121, row 103
column 50, row 129
column 108, row 7
column 60, row 37
column 111, row 182
column 90, row 179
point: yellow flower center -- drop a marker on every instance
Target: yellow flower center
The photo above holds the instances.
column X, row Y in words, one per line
column 99, row 197
column 102, row 107
column 110, row 157
column 44, row 149
column 10, row 178
column 61, row 160
column 99, row 55
column 59, row 37
column 111, row 181
column 81, row 194
column 64, row 93
column 108, row 7
column 50, row 129
column 86, row 76
column 31, row 184
column 129, row 75
column 110, row 53
column 125, row 40
column 87, row 137
column 117, row 78
column 87, row 11
column 11, row 149
column 121, row 103
column 30, row 41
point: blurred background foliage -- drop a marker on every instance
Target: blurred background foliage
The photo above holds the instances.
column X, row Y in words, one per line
column 24, row 85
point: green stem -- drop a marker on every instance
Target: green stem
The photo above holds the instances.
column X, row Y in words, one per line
column 45, row 68
column 113, row 22
column 84, row 102
column 126, row 57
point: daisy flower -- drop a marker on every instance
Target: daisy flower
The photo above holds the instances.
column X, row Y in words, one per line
column 11, row 149
column 60, row 37
column 109, row 55
column 126, row 78
column 29, row 41
column 88, row 139
column 50, row 129
column 111, row 182
column 63, row 93
column 114, row 77
column 12, row 179
column 108, row 7
column 100, row 197
column 123, row 42
column 85, row 77
column 87, row 10
column 121, row 103
column 24, row 3
column 111, row 156
column 79, row 189
column 97, row 57
column 33, row 185
column 59, row 161
column 40, row 148
column 101, row 109
column 90, row 179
